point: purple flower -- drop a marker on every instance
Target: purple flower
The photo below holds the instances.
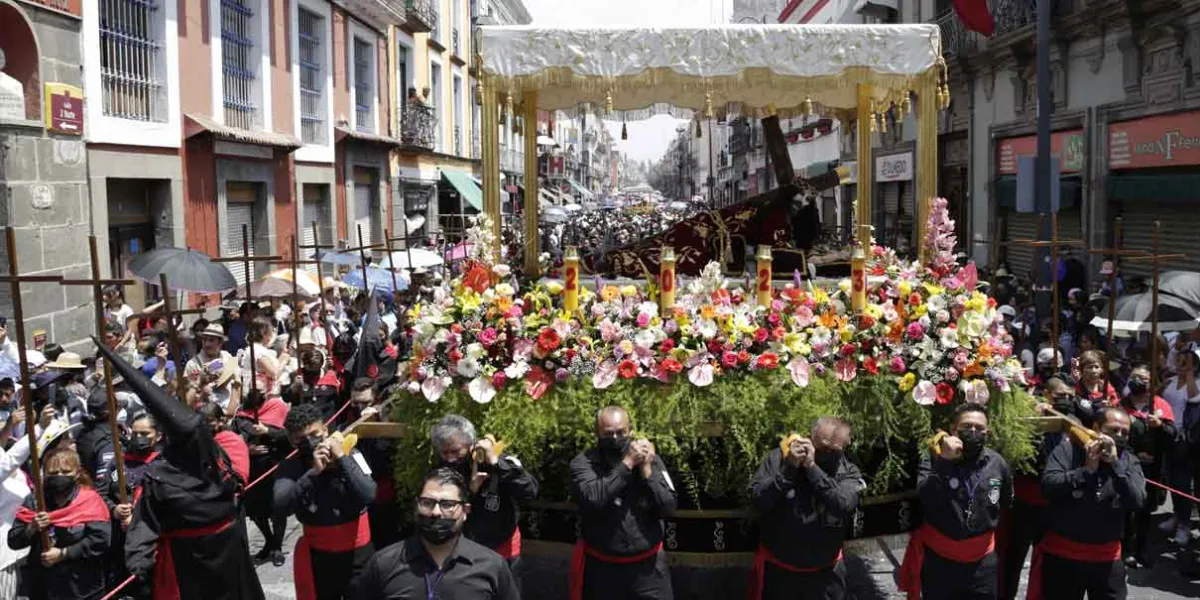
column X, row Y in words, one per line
column 561, row 375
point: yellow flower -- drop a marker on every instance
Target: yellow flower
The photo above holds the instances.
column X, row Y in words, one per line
column 934, row 290
column 820, row 296
column 874, row 311
column 469, row 300
column 919, row 311
column 629, row 291
column 907, row 382
column 608, row 293
column 626, row 346
column 905, row 288
column 554, row 287
column 846, row 334
column 844, row 286
column 707, row 311
column 793, row 342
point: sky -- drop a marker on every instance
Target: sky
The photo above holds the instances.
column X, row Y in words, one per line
column 648, row 139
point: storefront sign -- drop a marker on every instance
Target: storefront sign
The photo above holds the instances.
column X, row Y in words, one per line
column 416, row 199
column 64, row 108
column 1066, row 145
column 69, row 7
column 895, row 167
column 1164, row 141
column 852, row 169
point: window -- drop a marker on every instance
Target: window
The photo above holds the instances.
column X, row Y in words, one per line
column 313, row 108
column 402, row 82
column 435, row 101
column 240, row 62
column 458, row 116
column 364, row 86
column 131, row 60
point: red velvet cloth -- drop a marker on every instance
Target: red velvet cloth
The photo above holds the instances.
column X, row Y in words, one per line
column 976, row 15
column 511, row 548
column 239, row 454
column 87, row 507
column 273, row 412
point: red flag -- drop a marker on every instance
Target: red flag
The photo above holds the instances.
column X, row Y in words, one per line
column 975, row 15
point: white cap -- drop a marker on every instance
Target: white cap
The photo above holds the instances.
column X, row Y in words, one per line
column 1048, row 354
column 1008, row 311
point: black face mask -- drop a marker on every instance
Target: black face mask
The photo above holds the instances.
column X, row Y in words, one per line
column 437, row 530
column 613, row 448
column 1121, row 442
column 308, row 444
column 140, row 444
column 59, row 485
column 828, row 460
column 973, row 442
column 462, row 466
column 1137, row 387
column 1064, row 403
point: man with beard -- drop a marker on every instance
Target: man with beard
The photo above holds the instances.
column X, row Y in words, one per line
column 499, row 485
column 1091, row 488
column 212, row 365
column 182, row 532
column 963, row 487
column 623, row 492
column 329, row 490
column 806, row 494
column 438, row 562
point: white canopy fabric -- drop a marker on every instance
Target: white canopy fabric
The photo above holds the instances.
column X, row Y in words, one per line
column 546, row 141
column 421, row 258
column 745, row 67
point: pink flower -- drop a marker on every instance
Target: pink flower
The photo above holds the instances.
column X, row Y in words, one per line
column 773, row 318
column 499, row 379
column 804, row 316
column 845, row 369
column 925, row 393
column 643, row 319
column 605, row 375
column 798, row 369
column 729, row 360
column 487, row 337
column 761, row 334
column 951, row 374
column 960, row 360
column 897, row 365
column 915, row 331
column 848, row 350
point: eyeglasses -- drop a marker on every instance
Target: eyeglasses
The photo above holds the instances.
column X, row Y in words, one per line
column 447, row 506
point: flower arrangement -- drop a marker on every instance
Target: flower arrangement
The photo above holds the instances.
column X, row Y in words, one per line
column 925, row 327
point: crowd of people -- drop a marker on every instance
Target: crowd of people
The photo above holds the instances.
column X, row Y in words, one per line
column 256, row 425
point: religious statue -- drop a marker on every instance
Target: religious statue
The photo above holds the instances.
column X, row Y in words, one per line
column 12, row 94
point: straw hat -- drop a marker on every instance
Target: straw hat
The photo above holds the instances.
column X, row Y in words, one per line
column 213, row 330
column 67, row 361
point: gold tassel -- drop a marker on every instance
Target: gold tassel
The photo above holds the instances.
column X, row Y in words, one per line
column 871, row 120
column 883, row 122
column 906, row 104
column 945, row 97
column 624, row 132
column 708, row 106
column 771, row 110
column 808, row 107
column 508, row 104
column 608, row 102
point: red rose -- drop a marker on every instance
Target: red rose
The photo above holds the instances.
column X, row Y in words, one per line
column 627, row 369
column 778, row 333
column 548, row 339
column 761, row 334
column 729, row 360
column 866, row 321
column 743, row 356
column 667, row 346
column 848, row 350
column 714, row 347
column 455, row 356
column 373, row 371
column 768, row 360
column 914, row 299
column 671, row 365
column 871, row 366
column 945, row 393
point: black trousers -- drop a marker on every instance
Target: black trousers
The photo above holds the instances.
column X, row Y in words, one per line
column 1028, row 524
column 826, row 584
column 514, row 567
column 945, row 579
column 1066, row 579
column 646, row 580
column 335, row 573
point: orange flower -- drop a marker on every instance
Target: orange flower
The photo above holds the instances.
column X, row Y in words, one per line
column 828, row 320
column 707, row 311
column 504, row 303
column 768, row 360
column 973, row 370
column 477, row 279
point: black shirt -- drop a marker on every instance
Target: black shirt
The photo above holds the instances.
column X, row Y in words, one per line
column 622, row 511
column 337, row 495
column 405, row 571
column 1091, row 507
column 804, row 504
column 80, row 575
column 964, row 500
column 496, row 508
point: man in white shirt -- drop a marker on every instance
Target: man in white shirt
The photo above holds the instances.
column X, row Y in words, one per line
column 212, row 365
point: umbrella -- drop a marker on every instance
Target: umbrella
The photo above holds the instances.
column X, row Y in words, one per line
column 459, row 251
column 573, row 207
column 554, row 214
column 341, row 257
column 278, row 284
column 1184, row 285
column 677, row 205
column 380, row 279
column 1135, row 313
column 546, row 141
column 421, row 258
column 414, row 222
column 187, row 270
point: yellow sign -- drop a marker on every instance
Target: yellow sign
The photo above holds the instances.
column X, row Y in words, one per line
column 64, row 108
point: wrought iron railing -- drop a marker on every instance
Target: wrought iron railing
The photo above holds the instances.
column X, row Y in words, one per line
column 418, row 125
column 957, row 40
column 420, row 15
column 131, row 69
column 476, row 145
column 239, row 65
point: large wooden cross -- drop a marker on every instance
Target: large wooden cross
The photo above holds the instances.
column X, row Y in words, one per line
column 171, row 314
column 98, row 284
column 362, row 250
column 1155, row 259
column 1116, row 252
column 1053, row 244
column 317, row 248
column 246, row 259
column 294, row 264
column 15, row 279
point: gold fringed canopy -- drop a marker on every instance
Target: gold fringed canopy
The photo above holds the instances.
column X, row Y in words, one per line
column 735, row 68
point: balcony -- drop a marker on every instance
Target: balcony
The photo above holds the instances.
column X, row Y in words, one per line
column 476, row 146
column 512, row 161
column 455, row 51
column 957, row 40
column 458, row 141
column 418, row 126
column 420, row 16
column 1010, row 16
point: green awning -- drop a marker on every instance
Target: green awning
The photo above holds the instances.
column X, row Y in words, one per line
column 582, row 192
column 466, row 188
column 1154, row 187
column 1069, row 191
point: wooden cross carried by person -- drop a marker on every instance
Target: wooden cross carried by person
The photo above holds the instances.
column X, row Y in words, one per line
column 247, row 260
column 387, row 240
column 166, row 311
column 1053, row 244
column 317, row 248
column 1155, row 259
column 294, row 264
column 98, row 284
column 363, row 257
column 15, row 279
column 1116, row 252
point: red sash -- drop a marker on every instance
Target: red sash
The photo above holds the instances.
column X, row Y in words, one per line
column 333, row 538
column 87, row 507
column 273, row 412
column 237, row 451
column 579, row 560
column 759, row 570
column 970, row 550
column 1061, row 547
column 166, row 587
column 511, row 548
column 1028, row 489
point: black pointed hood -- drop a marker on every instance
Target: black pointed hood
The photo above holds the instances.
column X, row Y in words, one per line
column 370, row 361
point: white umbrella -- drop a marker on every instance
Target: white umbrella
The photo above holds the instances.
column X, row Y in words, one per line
column 546, row 141
column 572, row 207
column 677, row 205
column 421, row 258
column 554, row 214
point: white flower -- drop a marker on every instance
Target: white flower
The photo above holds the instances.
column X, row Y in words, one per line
column 644, row 338
column 925, row 393
column 707, row 328
column 433, row 388
column 948, row 337
column 935, row 303
column 502, row 270
column 505, row 290
column 798, row 368
column 701, row 375
column 414, row 387
column 975, row 392
column 468, row 367
column 649, row 308
column 516, row 370
column 475, row 350
column 481, row 389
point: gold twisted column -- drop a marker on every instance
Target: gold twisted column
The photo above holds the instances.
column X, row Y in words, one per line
column 927, row 150
column 533, row 241
column 865, row 168
column 490, row 134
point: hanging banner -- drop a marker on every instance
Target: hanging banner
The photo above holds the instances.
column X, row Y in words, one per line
column 1067, row 145
column 1162, row 141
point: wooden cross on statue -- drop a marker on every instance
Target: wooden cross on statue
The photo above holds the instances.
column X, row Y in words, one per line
column 15, row 279
column 247, row 259
column 1053, row 244
column 1155, row 259
column 98, row 284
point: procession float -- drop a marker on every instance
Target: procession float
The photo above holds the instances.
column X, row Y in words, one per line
column 714, row 369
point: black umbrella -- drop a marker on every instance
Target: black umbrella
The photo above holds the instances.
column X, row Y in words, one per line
column 186, row 269
column 1184, row 285
column 1135, row 313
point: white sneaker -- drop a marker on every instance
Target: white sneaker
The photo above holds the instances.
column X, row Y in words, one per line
column 1169, row 525
column 1182, row 536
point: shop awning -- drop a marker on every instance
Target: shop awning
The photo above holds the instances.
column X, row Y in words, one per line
column 1069, row 191
column 1169, row 187
column 581, row 191
column 196, row 124
column 466, row 188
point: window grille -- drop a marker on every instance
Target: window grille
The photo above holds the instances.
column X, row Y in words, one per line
column 239, row 61
column 312, row 83
column 363, row 93
column 131, row 60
